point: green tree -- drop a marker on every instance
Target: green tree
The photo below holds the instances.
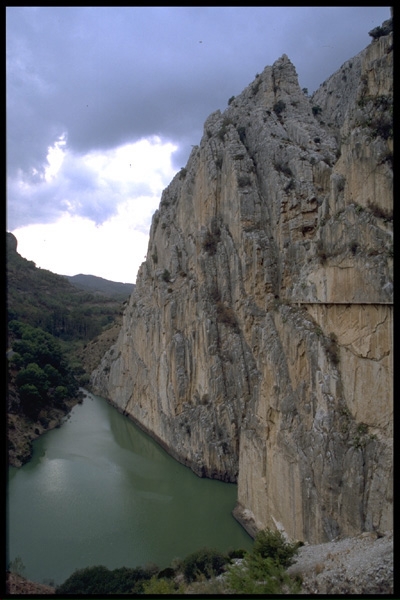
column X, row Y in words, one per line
column 53, row 375
column 33, row 375
column 60, row 393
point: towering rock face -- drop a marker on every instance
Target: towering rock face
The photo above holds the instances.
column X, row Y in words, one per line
column 257, row 345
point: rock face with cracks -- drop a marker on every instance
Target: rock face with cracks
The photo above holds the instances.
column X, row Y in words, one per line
column 257, row 345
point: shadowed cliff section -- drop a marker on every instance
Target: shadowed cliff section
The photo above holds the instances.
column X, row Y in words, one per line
column 257, row 345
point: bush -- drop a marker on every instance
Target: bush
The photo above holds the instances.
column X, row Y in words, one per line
column 211, row 241
column 242, row 134
column 258, row 575
column 272, row 544
column 279, row 107
column 316, row 110
column 166, row 276
column 100, row 580
column 207, row 562
column 158, row 585
column 379, row 31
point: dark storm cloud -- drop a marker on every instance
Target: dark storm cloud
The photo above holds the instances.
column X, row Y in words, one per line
column 107, row 76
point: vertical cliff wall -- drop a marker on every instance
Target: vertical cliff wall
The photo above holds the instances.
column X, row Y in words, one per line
column 257, row 346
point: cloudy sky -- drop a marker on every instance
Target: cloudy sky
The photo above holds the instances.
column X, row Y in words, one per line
column 104, row 104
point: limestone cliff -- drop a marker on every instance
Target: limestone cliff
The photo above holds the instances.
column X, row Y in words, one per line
column 257, row 345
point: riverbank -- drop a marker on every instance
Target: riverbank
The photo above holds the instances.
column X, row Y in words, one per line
column 21, row 432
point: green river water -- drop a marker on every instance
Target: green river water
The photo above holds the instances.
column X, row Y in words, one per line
column 99, row 491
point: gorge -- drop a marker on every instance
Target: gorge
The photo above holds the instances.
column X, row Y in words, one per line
column 257, row 345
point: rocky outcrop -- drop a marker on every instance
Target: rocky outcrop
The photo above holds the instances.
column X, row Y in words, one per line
column 257, row 345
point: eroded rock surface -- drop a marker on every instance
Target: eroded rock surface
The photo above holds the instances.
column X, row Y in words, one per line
column 257, row 345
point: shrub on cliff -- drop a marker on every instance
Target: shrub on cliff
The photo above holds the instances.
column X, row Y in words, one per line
column 206, row 562
column 279, row 107
column 272, row 544
column 166, row 276
column 211, row 241
column 263, row 569
column 258, row 575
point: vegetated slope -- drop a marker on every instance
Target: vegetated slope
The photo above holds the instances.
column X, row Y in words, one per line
column 49, row 321
column 47, row 300
column 257, row 345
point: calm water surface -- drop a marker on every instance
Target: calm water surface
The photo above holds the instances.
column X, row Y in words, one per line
column 98, row 491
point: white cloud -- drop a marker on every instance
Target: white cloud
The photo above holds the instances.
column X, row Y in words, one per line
column 55, row 158
column 80, row 240
column 73, row 245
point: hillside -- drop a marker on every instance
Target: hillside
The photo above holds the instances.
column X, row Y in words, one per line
column 50, row 301
column 257, row 345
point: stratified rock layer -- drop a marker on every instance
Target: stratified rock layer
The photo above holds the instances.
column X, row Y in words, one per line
column 257, row 346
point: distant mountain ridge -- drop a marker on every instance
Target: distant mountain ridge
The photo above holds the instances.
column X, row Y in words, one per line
column 94, row 284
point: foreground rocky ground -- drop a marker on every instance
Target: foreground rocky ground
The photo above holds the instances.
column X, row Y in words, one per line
column 360, row 565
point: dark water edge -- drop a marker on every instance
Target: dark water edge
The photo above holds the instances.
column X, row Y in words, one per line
column 99, row 491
